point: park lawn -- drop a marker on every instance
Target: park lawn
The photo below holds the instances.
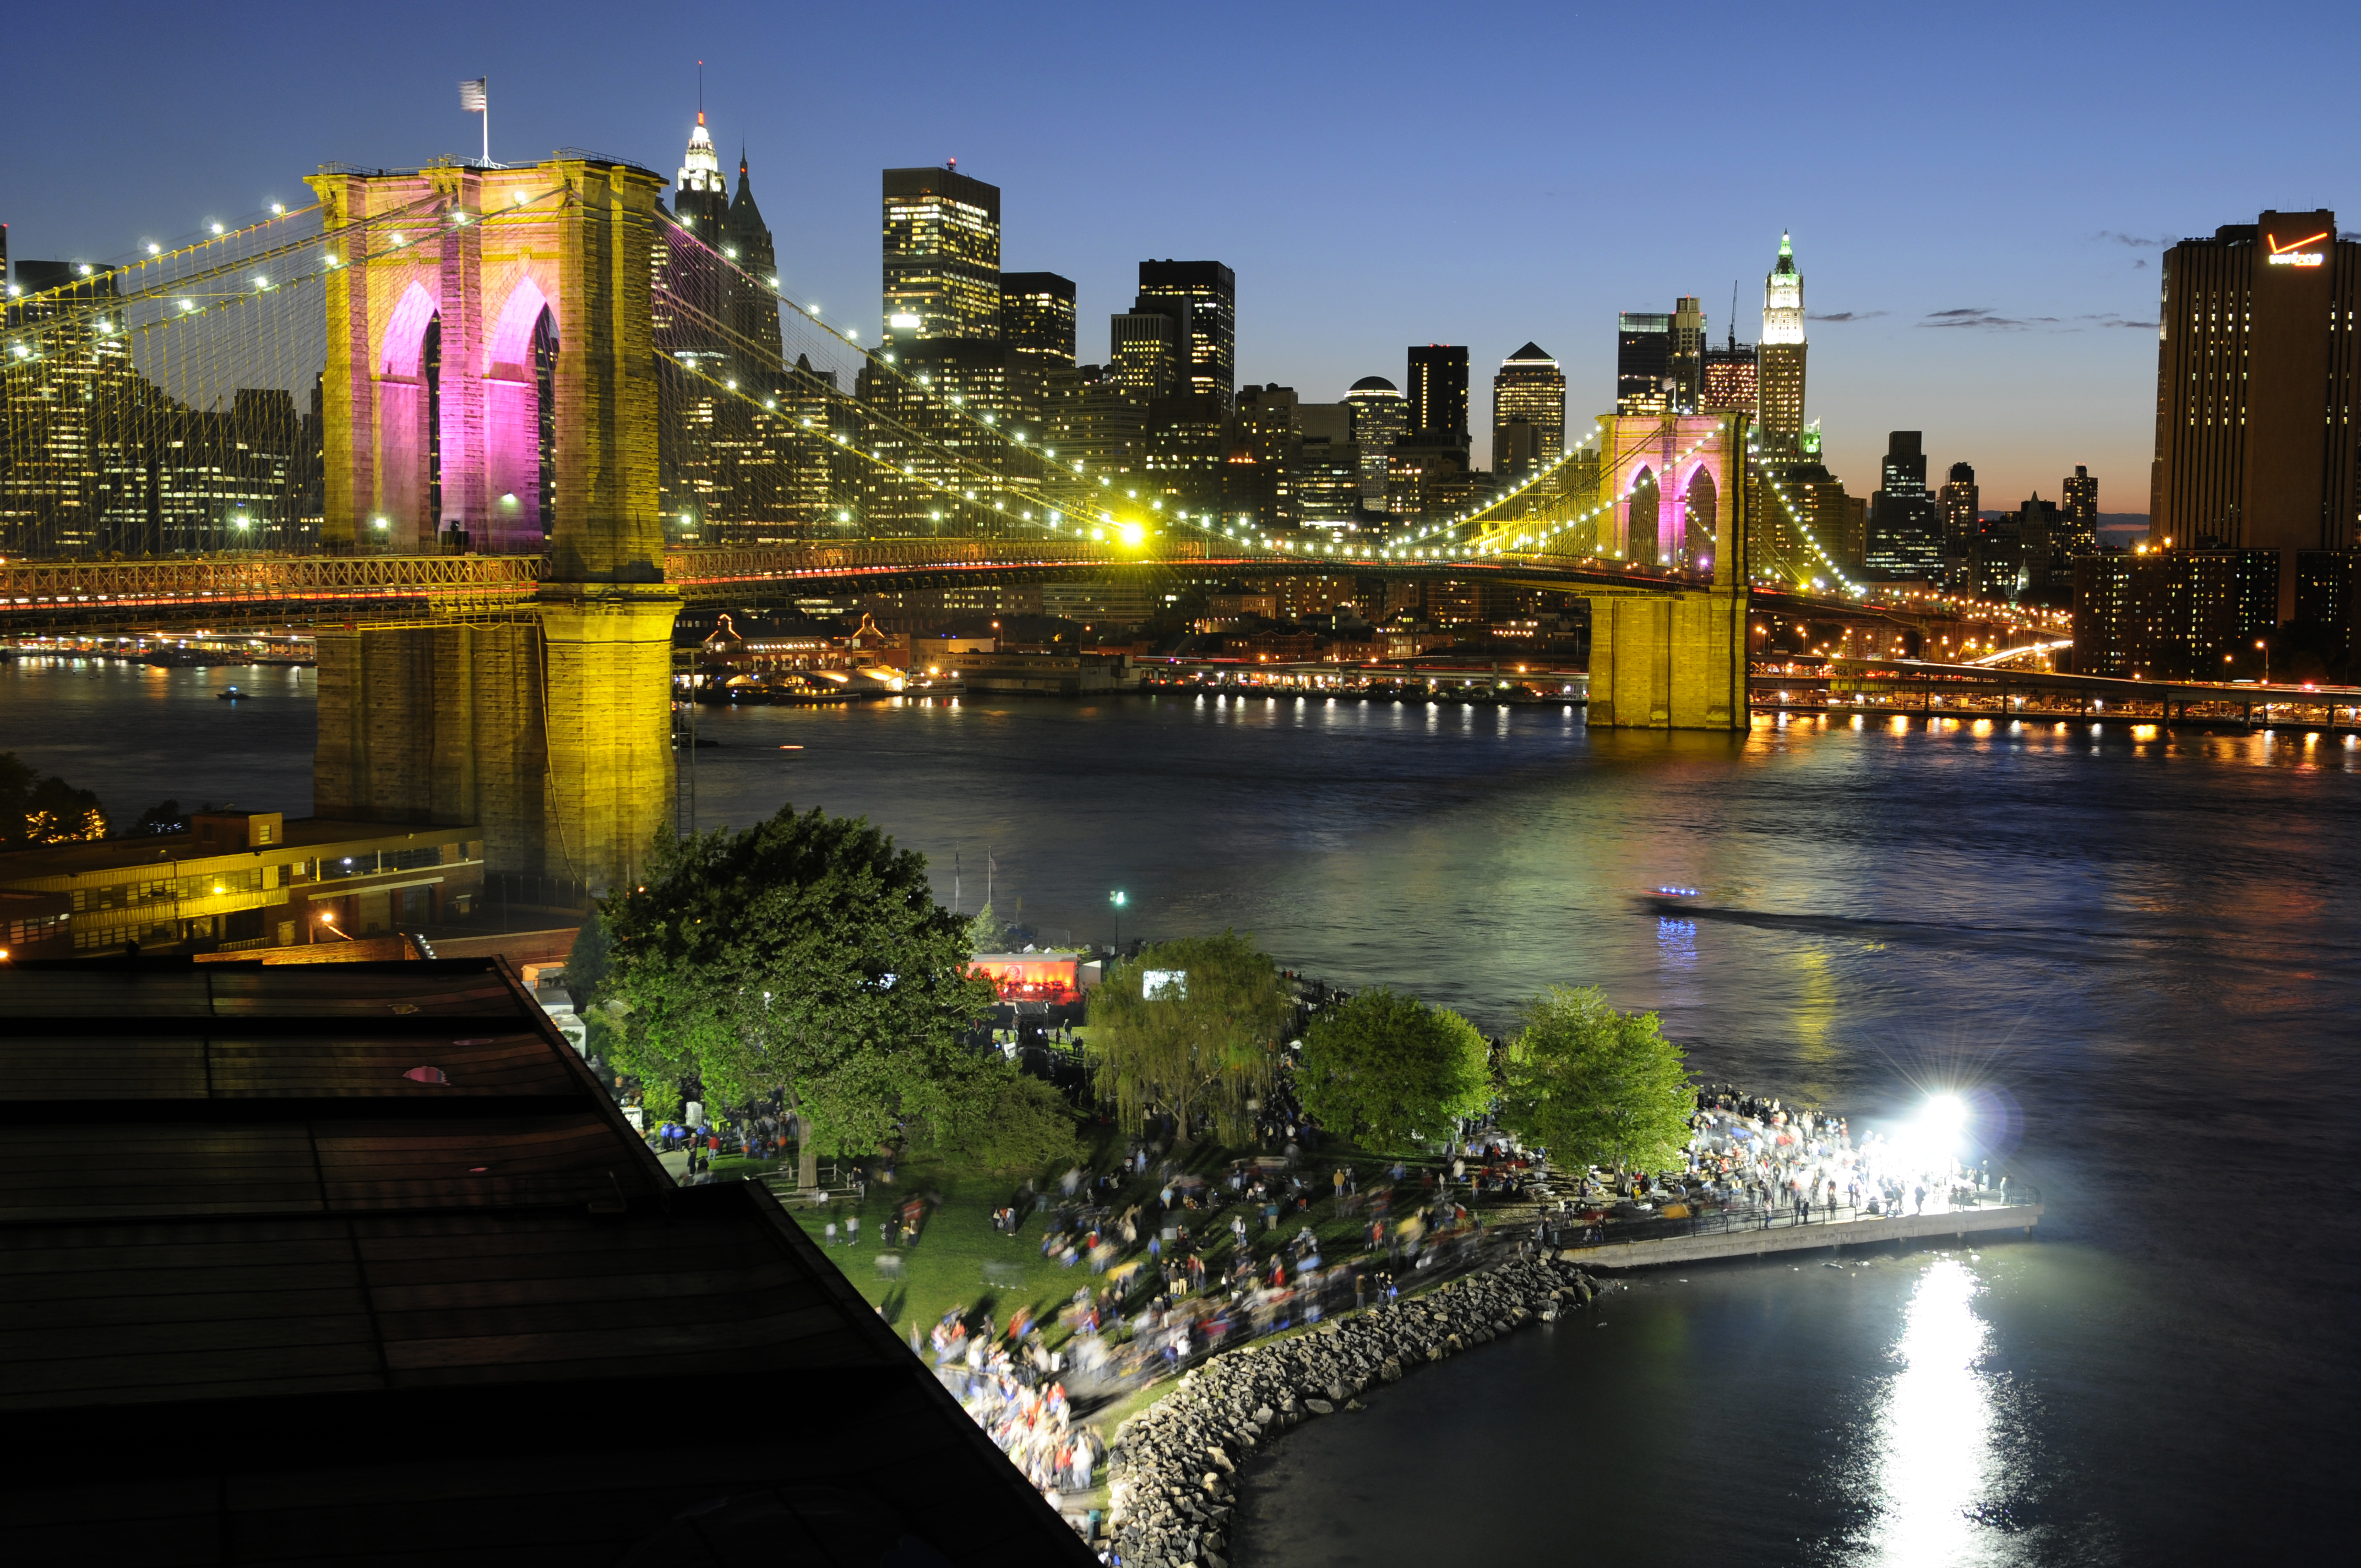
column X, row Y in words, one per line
column 959, row 1262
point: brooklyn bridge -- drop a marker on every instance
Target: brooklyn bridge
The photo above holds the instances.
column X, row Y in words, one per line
column 546, row 413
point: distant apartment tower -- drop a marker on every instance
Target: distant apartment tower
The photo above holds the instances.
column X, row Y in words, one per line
column 1380, row 416
column 1780, row 377
column 1528, row 390
column 1643, row 362
column 942, row 255
column 1037, row 320
column 1438, row 392
column 1202, row 298
column 2259, row 369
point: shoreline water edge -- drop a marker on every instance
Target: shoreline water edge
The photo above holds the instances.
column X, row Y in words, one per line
column 1174, row 1465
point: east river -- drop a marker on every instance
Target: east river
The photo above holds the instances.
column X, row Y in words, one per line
column 2137, row 955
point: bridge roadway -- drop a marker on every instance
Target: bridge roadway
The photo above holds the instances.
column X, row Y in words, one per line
column 55, row 595
column 1928, row 688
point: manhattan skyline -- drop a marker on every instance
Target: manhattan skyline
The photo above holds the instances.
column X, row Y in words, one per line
column 1977, row 206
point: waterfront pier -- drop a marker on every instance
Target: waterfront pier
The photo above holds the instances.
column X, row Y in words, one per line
column 1744, row 1240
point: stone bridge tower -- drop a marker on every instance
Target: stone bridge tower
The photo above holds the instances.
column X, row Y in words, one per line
column 490, row 386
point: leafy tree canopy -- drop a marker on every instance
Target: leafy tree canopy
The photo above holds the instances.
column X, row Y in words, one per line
column 1384, row 1068
column 1205, row 1041
column 1007, row 1121
column 36, row 810
column 985, row 933
column 806, row 953
column 1598, row 1087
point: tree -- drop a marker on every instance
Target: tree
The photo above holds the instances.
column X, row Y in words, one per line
column 1598, row 1087
column 806, row 954
column 36, row 810
column 985, row 933
column 1384, row 1068
column 1204, row 1038
column 1003, row 1120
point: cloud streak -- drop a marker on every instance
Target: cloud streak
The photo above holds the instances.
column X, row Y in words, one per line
column 2137, row 241
column 1990, row 320
column 1847, row 316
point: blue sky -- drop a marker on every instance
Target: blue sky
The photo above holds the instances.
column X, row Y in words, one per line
column 1976, row 192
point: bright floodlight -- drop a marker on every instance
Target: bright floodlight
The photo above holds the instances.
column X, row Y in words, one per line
column 1946, row 1113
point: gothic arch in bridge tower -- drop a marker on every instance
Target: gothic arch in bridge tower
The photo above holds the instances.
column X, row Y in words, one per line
column 1641, row 519
column 1701, row 508
column 513, row 417
column 404, row 440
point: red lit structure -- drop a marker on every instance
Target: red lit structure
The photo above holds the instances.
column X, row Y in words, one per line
column 1032, row 977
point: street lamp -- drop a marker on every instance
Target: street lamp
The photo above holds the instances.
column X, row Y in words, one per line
column 2266, row 647
column 1117, row 899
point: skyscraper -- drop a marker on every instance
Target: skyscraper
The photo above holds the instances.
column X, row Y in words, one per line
column 2259, row 369
column 942, row 255
column 1529, row 388
column 1687, row 358
column 1381, row 419
column 1906, row 536
column 700, row 197
column 1780, row 379
column 2081, row 508
column 1643, row 358
column 753, row 287
column 1037, row 320
column 1730, row 378
column 1438, row 392
column 1202, row 299
column 1962, row 518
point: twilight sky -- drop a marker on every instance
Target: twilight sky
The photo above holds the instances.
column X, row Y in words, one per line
column 1976, row 192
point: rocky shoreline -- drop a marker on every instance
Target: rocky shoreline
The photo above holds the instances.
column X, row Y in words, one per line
column 1175, row 1464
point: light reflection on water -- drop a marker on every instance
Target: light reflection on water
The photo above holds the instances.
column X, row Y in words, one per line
column 1932, row 1435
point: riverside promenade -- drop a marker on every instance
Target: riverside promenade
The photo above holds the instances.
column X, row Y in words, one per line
column 1737, row 1236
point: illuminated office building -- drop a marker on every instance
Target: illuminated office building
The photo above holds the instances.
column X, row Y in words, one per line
column 2081, row 508
column 1037, row 320
column 1960, row 502
column 1202, row 298
column 2259, row 369
column 1144, row 353
column 1730, row 379
column 1905, row 530
column 1528, row 390
column 942, row 255
column 1380, row 417
column 1643, row 362
column 1780, row 376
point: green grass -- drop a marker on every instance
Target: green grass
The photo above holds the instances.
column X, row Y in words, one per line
column 946, row 1269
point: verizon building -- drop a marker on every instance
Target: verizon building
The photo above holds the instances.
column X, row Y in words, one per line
column 2257, row 372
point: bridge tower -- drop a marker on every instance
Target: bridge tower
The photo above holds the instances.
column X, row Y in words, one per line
column 490, row 386
column 481, row 315
column 1673, row 659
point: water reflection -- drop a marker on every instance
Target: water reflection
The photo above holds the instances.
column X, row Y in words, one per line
column 1933, row 1463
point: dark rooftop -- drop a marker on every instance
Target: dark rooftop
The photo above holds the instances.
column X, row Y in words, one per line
column 361, row 1264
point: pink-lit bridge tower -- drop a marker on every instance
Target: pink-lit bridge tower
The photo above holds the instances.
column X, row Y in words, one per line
column 490, row 381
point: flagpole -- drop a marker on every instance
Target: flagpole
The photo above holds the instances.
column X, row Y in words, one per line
column 487, row 122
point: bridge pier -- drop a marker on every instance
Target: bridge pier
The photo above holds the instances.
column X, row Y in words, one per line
column 1669, row 661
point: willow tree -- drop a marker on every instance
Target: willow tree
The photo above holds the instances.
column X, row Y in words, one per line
column 1192, row 1027
column 1597, row 1087
column 806, row 955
